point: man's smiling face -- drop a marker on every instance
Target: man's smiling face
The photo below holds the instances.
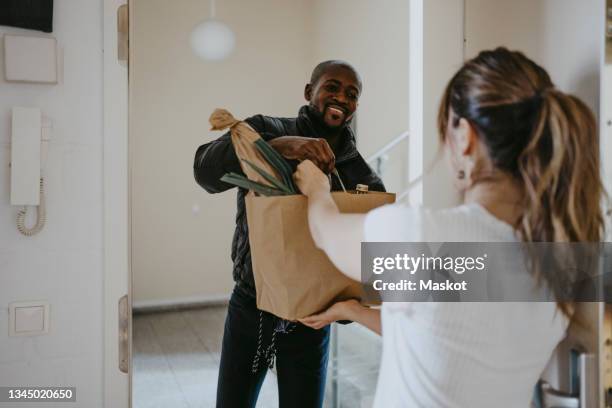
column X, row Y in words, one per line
column 335, row 95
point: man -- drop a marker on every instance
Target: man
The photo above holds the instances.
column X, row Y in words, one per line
column 252, row 338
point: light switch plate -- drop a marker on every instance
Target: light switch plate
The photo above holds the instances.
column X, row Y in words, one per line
column 30, row 59
column 28, row 318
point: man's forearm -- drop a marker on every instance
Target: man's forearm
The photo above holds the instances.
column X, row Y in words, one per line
column 212, row 161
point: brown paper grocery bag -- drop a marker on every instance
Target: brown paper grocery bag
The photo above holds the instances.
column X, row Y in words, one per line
column 243, row 138
column 293, row 278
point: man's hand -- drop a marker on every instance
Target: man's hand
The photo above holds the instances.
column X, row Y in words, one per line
column 306, row 148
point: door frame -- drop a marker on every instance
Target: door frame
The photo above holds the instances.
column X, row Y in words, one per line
column 116, row 384
column 116, row 171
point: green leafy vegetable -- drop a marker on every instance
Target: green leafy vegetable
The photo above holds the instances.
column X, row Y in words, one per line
column 270, row 178
column 241, row 181
column 278, row 162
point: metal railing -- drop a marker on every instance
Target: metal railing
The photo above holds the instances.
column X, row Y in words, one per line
column 377, row 159
column 337, row 362
column 388, row 146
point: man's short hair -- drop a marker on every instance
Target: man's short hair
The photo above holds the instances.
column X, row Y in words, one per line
column 322, row 67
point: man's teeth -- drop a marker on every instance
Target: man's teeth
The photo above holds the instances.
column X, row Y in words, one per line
column 336, row 111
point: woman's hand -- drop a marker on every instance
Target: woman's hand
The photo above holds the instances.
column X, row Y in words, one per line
column 310, row 180
column 339, row 311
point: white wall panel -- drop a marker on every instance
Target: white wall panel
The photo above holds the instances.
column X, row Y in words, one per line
column 177, row 254
column 62, row 264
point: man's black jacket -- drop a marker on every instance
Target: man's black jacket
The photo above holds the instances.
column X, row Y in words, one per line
column 214, row 159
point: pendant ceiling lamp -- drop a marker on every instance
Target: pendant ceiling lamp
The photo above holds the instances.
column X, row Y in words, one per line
column 212, row 40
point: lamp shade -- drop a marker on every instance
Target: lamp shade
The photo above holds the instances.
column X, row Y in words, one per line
column 212, row 40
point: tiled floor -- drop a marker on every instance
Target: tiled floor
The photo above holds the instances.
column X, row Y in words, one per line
column 176, row 358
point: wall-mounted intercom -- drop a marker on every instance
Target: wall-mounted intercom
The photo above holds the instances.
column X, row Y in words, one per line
column 29, row 140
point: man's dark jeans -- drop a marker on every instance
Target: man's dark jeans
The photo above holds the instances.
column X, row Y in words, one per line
column 301, row 359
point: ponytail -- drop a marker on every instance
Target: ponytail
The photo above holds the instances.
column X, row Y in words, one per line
column 559, row 169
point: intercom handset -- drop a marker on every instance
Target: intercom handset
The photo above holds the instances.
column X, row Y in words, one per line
column 41, row 215
column 29, row 139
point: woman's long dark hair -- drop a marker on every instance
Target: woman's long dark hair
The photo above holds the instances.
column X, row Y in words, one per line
column 546, row 139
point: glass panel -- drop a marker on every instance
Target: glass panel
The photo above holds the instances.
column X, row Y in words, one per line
column 355, row 354
column 392, row 167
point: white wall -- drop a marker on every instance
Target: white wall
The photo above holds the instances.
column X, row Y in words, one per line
column 63, row 264
column 374, row 38
column 178, row 255
column 541, row 30
column 607, row 123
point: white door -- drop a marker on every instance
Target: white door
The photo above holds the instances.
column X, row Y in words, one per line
column 116, row 271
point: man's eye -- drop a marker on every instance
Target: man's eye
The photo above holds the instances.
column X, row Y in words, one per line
column 352, row 96
column 331, row 88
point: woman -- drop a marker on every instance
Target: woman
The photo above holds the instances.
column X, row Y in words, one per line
column 525, row 156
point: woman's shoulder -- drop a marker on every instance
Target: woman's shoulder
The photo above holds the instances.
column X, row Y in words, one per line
column 405, row 223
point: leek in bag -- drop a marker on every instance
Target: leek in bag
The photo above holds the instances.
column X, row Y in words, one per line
column 267, row 172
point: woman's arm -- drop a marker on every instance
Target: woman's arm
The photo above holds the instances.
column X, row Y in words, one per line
column 348, row 310
column 339, row 235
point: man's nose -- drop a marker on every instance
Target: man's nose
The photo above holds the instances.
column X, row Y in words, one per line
column 340, row 97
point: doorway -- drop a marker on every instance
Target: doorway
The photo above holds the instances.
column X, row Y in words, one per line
column 180, row 235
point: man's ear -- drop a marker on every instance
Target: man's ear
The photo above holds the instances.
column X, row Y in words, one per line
column 466, row 137
column 308, row 92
